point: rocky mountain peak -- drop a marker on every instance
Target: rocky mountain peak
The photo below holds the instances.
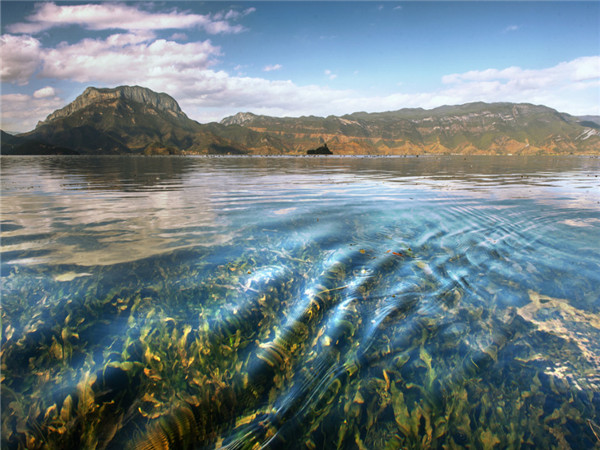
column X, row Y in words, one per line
column 92, row 95
column 241, row 118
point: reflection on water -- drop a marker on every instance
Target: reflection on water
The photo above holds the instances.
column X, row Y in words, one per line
column 300, row 302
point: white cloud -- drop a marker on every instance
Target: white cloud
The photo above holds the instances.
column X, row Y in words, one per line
column 21, row 57
column 110, row 16
column 518, row 79
column 21, row 112
column 233, row 14
column 45, row 92
column 273, row 67
column 130, row 57
column 218, row 94
column 217, row 89
column 330, row 74
column 510, row 28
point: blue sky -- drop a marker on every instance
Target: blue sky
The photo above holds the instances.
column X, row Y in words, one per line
column 301, row 58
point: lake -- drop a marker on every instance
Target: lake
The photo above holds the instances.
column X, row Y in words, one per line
column 317, row 302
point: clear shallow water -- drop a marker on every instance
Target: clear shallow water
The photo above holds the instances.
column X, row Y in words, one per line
column 300, row 302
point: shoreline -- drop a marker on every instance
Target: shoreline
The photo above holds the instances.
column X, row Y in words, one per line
column 425, row 155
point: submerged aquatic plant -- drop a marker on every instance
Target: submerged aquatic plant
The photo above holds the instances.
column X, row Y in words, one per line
column 229, row 371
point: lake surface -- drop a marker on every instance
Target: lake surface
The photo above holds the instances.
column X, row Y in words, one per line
column 369, row 303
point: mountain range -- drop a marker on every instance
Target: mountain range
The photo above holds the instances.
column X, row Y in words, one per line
column 137, row 120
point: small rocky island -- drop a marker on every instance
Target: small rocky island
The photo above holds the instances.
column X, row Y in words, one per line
column 322, row 150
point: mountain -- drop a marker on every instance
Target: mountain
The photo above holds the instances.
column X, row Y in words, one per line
column 497, row 128
column 590, row 121
column 136, row 120
column 160, row 102
column 127, row 120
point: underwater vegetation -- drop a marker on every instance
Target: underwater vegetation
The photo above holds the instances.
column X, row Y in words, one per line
column 271, row 349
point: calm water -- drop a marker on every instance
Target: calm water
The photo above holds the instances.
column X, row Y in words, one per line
column 300, row 302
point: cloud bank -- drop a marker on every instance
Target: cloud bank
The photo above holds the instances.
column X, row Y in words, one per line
column 21, row 112
column 110, row 16
column 129, row 58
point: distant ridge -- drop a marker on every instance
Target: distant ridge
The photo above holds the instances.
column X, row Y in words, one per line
column 472, row 128
column 137, row 120
column 589, row 121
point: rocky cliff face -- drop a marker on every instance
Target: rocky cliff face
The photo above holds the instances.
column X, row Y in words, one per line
column 159, row 101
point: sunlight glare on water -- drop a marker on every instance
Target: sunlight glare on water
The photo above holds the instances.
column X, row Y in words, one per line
column 300, row 302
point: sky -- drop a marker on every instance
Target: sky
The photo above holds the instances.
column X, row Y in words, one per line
column 300, row 58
